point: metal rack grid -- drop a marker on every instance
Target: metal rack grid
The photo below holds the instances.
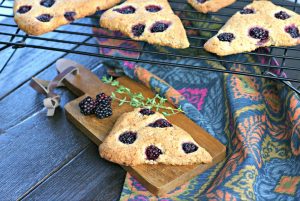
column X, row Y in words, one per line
column 287, row 58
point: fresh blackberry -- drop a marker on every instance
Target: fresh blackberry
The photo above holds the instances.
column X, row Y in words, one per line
column 226, row 37
column 87, row 106
column 189, row 147
column 70, row 16
column 103, row 100
column 103, row 112
column 128, row 137
column 201, row 1
column 161, row 123
column 152, row 152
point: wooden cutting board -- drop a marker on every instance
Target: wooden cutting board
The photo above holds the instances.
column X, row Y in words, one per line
column 158, row 179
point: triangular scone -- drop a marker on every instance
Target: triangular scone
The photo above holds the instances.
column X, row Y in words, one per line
column 37, row 17
column 146, row 137
column 260, row 24
column 206, row 6
column 152, row 21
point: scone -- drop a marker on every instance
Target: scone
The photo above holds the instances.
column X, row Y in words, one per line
column 152, row 21
column 206, row 6
column 260, row 24
column 146, row 137
column 37, row 17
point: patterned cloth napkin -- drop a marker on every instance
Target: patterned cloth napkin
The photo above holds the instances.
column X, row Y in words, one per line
column 257, row 119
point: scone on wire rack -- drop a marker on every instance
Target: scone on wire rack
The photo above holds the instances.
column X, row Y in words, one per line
column 37, row 17
column 146, row 137
column 152, row 21
column 260, row 24
column 206, row 6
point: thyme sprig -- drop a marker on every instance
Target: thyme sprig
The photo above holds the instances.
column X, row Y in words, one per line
column 138, row 100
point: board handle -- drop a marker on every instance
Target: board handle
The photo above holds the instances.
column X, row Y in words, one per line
column 84, row 82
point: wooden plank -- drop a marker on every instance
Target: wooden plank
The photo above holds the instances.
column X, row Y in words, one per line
column 33, row 61
column 86, row 177
column 33, row 102
column 158, row 179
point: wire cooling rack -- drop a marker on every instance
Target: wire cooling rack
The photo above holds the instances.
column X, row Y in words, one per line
column 287, row 58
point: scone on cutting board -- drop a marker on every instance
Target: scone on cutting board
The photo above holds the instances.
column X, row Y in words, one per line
column 152, row 21
column 37, row 17
column 260, row 24
column 146, row 137
column 206, row 6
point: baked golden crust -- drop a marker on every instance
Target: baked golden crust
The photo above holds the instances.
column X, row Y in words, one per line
column 174, row 36
column 168, row 139
column 264, row 17
column 210, row 5
column 29, row 23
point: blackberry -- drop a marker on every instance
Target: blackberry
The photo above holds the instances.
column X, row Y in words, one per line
column 70, row 16
column 226, row 37
column 247, row 11
column 293, row 31
column 24, row 9
column 189, row 147
column 159, row 27
column 152, row 152
column 87, row 106
column 44, row 17
column 103, row 100
column 128, row 137
column 138, row 29
column 161, row 123
column 103, row 112
column 146, row 111
column 259, row 33
column 153, row 8
column 201, row 1
column 125, row 10
column 47, row 3
column 282, row 15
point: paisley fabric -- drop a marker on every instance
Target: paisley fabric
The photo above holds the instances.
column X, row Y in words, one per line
column 257, row 119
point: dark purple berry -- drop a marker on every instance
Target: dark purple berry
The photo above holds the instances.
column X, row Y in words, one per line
column 161, row 123
column 138, row 29
column 159, row 27
column 293, row 31
column 153, row 8
column 226, row 37
column 103, row 112
column 87, row 106
column 103, row 100
column 70, row 16
column 24, row 9
column 152, row 152
column 146, row 111
column 47, row 3
column 128, row 137
column 125, row 10
column 44, row 17
column 201, row 1
column 247, row 11
column 282, row 15
column 259, row 33
column 189, row 147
